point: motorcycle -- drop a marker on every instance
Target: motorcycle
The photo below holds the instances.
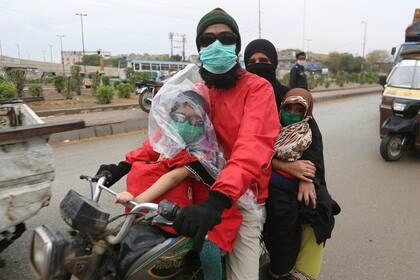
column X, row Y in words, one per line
column 146, row 90
column 400, row 129
column 89, row 250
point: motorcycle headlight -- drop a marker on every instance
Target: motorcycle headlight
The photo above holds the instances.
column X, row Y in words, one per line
column 398, row 107
column 47, row 252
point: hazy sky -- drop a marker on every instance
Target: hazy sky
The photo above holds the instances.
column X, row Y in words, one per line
column 125, row 26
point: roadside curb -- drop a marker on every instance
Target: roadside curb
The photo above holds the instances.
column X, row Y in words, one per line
column 99, row 130
column 57, row 112
column 339, row 96
column 135, row 124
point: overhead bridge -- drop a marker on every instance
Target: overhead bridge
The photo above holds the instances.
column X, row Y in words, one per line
column 43, row 67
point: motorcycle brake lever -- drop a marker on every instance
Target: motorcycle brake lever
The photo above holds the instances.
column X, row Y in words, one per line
column 161, row 221
column 150, row 215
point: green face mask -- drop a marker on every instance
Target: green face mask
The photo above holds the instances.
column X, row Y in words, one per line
column 288, row 117
column 187, row 131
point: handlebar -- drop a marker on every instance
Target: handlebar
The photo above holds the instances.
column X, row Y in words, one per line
column 165, row 210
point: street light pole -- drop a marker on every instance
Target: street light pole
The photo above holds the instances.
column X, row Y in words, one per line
column 259, row 19
column 307, row 48
column 18, row 49
column 62, row 57
column 83, row 39
column 304, row 24
column 1, row 54
column 51, row 56
column 364, row 38
column 364, row 43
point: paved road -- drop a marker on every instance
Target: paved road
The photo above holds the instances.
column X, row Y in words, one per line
column 377, row 234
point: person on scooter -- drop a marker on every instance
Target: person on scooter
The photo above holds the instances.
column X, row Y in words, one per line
column 245, row 120
column 183, row 146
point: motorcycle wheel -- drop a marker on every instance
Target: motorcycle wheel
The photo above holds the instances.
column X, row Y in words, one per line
column 144, row 102
column 391, row 147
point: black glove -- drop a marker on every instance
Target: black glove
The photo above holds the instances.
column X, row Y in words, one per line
column 113, row 172
column 196, row 220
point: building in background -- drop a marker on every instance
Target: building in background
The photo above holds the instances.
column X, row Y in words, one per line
column 73, row 57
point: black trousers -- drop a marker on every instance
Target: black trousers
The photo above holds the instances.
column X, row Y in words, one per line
column 282, row 230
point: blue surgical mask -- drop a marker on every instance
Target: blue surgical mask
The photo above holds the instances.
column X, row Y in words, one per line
column 218, row 58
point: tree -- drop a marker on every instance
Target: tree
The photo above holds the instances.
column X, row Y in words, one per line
column 176, row 57
column 90, row 59
column 345, row 62
column 113, row 61
column 379, row 61
column 378, row 56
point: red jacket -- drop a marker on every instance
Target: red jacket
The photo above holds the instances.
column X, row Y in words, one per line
column 246, row 122
column 146, row 169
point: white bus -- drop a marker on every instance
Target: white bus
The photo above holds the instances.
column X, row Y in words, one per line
column 158, row 69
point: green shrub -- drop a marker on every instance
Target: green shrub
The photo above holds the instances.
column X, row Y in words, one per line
column 124, row 90
column 7, row 90
column 35, row 90
column 76, row 79
column 95, row 81
column 115, row 84
column 134, row 77
column 18, row 77
column 105, row 80
column 311, row 83
column 68, row 84
column 286, row 80
column 48, row 80
column 104, row 94
column 327, row 84
column 59, row 83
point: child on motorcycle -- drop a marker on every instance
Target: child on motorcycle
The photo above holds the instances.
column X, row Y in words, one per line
column 300, row 213
column 182, row 149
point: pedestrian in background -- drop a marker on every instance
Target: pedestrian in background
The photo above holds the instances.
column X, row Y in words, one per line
column 297, row 73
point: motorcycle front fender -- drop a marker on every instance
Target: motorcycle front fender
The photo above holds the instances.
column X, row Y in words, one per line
column 400, row 125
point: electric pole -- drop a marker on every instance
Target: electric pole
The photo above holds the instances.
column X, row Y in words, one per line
column 259, row 19
column 62, row 55
column 184, row 39
column 83, row 39
column 307, row 48
column 178, row 42
column 51, row 56
column 364, row 43
column 18, row 50
column 171, row 38
column 364, row 38
column 1, row 54
column 304, row 24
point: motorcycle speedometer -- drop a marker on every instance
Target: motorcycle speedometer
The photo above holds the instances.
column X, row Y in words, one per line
column 83, row 214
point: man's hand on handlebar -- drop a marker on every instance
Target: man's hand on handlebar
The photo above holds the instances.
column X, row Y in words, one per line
column 196, row 220
column 113, row 172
